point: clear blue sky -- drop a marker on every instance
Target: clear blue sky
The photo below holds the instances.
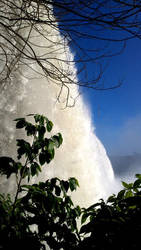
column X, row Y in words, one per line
column 117, row 113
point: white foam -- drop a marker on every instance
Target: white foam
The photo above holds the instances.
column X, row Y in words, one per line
column 82, row 155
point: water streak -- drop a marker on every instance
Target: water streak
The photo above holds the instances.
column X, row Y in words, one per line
column 82, row 154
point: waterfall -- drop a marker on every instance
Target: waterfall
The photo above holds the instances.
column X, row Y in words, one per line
column 30, row 91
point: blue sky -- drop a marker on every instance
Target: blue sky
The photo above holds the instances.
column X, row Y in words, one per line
column 117, row 113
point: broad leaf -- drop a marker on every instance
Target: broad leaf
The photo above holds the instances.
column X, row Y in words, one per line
column 57, row 139
column 126, row 185
column 21, row 123
column 49, row 126
column 73, row 183
column 42, row 158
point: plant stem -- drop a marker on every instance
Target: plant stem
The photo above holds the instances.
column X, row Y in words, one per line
column 19, row 185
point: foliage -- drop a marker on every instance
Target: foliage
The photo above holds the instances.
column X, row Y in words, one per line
column 40, row 212
column 43, row 213
column 115, row 224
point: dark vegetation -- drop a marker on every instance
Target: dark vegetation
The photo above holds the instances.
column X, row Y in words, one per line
column 43, row 213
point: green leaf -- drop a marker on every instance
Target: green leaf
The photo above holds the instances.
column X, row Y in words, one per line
column 73, row 183
column 65, row 185
column 53, row 182
column 37, row 145
column 57, row 140
column 78, row 211
column 121, row 194
column 49, row 155
column 30, row 114
column 84, row 217
column 39, row 119
column 37, row 166
column 42, row 158
column 18, row 165
column 137, row 183
column 138, row 176
column 111, row 199
column 128, row 194
column 85, row 229
column 19, row 119
column 49, row 126
column 36, row 118
column 68, row 200
column 30, row 128
column 24, row 148
column 60, row 138
column 21, row 123
column 50, row 144
column 126, row 185
column 57, row 190
column 25, row 171
column 46, row 156
column 34, row 170
column 41, row 130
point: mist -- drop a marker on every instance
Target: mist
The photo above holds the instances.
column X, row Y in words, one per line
column 125, row 150
column 82, row 155
column 128, row 137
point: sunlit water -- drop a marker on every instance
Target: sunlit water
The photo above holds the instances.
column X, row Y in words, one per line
column 82, row 155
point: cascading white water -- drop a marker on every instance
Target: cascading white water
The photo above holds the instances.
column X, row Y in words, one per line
column 82, row 155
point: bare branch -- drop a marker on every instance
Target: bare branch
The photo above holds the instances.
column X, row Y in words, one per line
column 102, row 22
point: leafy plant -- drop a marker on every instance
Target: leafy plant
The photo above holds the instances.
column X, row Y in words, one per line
column 40, row 213
column 43, row 213
column 115, row 224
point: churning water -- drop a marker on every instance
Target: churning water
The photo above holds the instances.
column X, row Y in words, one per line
column 82, row 155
